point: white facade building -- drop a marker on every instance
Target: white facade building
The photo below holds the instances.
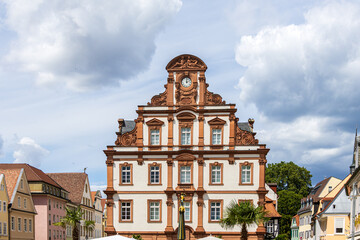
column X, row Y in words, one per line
column 186, row 140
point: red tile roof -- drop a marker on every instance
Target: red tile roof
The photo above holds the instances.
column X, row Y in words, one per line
column 93, row 193
column 33, row 174
column 103, row 202
column 11, row 177
column 72, row 182
column 270, row 209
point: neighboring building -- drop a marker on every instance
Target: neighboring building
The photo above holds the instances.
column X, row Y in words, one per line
column 96, row 198
column 22, row 210
column 4, row 213
column 295, row 228
column 310, row 205
column 185, row 140
column 49, row 199
column 104, row 218
column 273, row 225
column 79, row 195
column 353, row 191
column 332, row 222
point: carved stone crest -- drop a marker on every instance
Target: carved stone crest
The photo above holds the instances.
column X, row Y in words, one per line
column 213, row 98
column 245, row 138
column 126, row 139
column 160, row 99
column 186, row 62
column 186, row 96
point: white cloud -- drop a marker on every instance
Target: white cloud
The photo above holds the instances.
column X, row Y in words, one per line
column 1, row 145
column 28, row 151
column 305, row 69
column 85, row 44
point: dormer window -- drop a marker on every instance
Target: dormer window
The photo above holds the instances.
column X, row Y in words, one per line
column 330, row 188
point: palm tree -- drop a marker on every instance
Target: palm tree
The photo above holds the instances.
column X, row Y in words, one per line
column 73, row 218
column 89, row 225
column 243, row 214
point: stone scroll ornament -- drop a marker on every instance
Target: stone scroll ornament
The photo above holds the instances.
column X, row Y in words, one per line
column 126, row 139
column 245, row 138
column 159, row 100
column 213, row 98
column 187, row 62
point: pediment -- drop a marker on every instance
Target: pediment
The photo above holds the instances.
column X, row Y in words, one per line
column 217, row 121
column 186, row 116
column 154, row 122
column 186, row 62
column 185, row 157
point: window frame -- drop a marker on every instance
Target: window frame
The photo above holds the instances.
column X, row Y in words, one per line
column 186, row 120
column 154, row 164
column 131, row 210
column 251, row 173
column 221, row 210
column 126, row 164
column 216, row 123
column 19, row 224
column 343, row 226
column 148, row 210
column 211, row 165
column 154, row 124
column 12, row 224
column 185, row 164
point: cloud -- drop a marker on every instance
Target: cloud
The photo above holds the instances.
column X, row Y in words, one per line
column 28, row 151
column 305, row 69
column 84, row 44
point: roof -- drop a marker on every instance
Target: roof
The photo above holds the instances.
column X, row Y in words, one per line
column 297, row 219
column 103, row 202
column 270, row 209
column 33, row 174
column 93, row 194
column 316, row 191
column 11, row 176
column 334, row 193
column 128, row 126
column 72, row 182
column 244, row 126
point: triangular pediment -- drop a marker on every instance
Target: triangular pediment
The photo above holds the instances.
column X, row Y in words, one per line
column 217, row 121
column 154, row 122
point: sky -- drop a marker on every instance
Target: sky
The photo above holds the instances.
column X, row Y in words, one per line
column 69, row 69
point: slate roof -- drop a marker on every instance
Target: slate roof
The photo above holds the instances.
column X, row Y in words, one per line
column 11, row 177
column 72, row 182
column 244, row 126
column 128, row 126
column 33, row 174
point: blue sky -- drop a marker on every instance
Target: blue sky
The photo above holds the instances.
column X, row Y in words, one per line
column 70, row 69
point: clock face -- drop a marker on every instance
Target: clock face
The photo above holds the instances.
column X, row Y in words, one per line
column 186, row 82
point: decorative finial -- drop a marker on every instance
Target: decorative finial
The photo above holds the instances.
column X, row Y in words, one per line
column 251, row 122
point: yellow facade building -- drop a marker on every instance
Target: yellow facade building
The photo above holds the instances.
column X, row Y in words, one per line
column 4, row 214
column 332, row 222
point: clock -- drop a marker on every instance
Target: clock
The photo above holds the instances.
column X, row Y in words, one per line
column 186, row 82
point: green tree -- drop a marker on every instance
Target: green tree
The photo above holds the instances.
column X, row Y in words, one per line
column 89, row 225
column 73, row 218
column 242, row 214
column 293, row 183
column 289, row 176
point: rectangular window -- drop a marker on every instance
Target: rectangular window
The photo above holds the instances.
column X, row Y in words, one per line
column 126, row 210
column 126, row 171
column 185, row 136
column 187, row 213
column 215, row 210
column 4, row 206
column 19, row 224
column 19, row 202
column 216, row 136
column 215, row 173
column 30, row 225
column 5, row 229
column 270, row 226
column 155, row 137
column 339, row 225
column 25, row 225
column 49, row 234
column 154, row 174
column 246, row 173
column 49, row 204
column 49, row 219
column 185, row 174
column 24, row 202
column 154, row 210
column 12, row 223
column 0, row 228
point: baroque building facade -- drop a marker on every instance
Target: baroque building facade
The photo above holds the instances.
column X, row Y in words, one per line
column 185, row 140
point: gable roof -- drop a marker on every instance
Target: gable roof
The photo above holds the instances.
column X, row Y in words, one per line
column 103, row 202
column 33, row 174
column 270, row 209
column 11, row 176
column 331, row 196
column 72, row 182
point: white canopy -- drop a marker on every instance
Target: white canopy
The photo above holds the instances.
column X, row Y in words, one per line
column 114, row 237
column 210, row 238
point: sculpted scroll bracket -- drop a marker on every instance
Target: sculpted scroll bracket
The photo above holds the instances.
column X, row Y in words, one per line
column 160, row 99
column 245, row 138
column 126, row 139
column 213, row 98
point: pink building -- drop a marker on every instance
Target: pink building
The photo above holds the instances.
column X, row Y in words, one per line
column 50, row 201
